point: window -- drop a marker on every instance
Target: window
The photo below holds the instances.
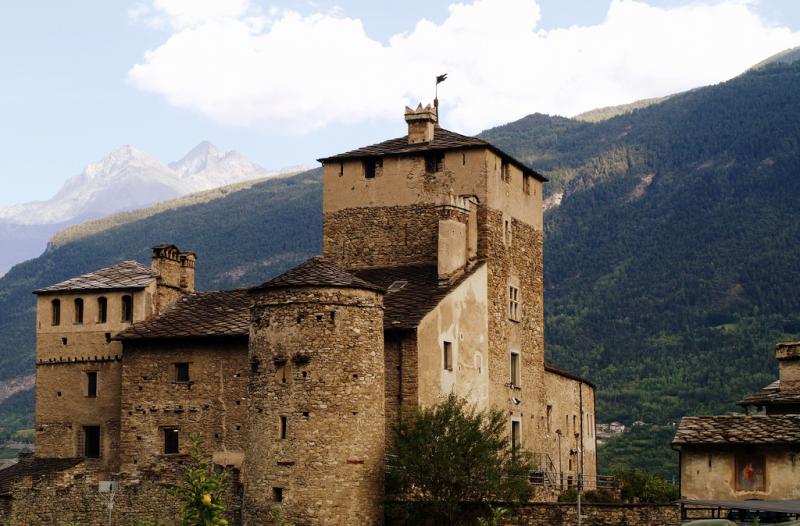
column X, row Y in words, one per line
column 513, row 303
column 91, row 441
column 434, row 162
column 514, row 369
column 507, row 232
column 55, row 308
column 549, row 421
column 575, row 424
column 284, row 424
column 277, row 494
column 447, row 356
column 463, row 159
column 91, row 384
column 341, row 169
column 78, row 310
column 515, row 436
column 182, row 372
column 505, row 173
column 371, row 167
column 526, row 184
column 102, row 309
column 127, row 308
column 171, row 442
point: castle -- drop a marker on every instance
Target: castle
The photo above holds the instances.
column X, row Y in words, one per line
column 430, row 282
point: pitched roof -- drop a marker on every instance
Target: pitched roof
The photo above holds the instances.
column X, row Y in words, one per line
column 33, row 467
column 125, row 275
column 772, row 395
column 739, row 429
column 197, row 315
column 317, row 272
column 550, row 368
column 405, row 304
column 442, row 140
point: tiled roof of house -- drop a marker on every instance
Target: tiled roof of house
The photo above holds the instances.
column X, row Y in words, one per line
column 773, row 395
column 550, row 368
column 125, row 275
column 317, row 272
column 442, row 140
column 412, row 291
column 739, row 429
column 35, row 468
column 197, row 315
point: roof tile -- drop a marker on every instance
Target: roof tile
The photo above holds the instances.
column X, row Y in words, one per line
column 739, row 429
column 317, row 272
column 125, row 275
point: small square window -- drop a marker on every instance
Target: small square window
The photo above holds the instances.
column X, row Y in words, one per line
column 182, row 372
column 277, row 494
column 447, row 356
column 171, row 443
column 434, row 162
column 371, row 167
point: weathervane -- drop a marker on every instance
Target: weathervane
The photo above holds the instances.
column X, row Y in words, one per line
column 439, row 80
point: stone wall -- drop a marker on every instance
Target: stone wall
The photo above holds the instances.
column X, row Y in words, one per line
column 316, row 406
column 401, row 371
column 562, row 514
column 73, row 497
column 212, row 404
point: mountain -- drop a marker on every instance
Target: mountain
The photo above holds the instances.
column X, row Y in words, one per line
column 671, row 256
column 127, row 179
column 786, row 56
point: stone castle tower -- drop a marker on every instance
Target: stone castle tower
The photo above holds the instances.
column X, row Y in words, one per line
column 316, row 393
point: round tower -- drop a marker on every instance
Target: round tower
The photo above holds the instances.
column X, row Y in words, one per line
column 316, row 393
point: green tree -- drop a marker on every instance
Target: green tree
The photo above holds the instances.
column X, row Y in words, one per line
column 451, row 453
column 638, row 485
column 201, row 490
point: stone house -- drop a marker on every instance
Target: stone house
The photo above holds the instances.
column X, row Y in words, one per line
column 747, row 456
column 430, row 282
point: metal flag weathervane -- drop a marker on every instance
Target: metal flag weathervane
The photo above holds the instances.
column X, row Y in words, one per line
column 439, row 80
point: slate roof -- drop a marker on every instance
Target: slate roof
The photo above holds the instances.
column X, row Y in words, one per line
column 772, row 395
column 739, row 429
column 442, row 140
column 405, row 307
column 550, row 368
column 317, row 272
column 125, row 275
column 33, row 467
column 197, row 315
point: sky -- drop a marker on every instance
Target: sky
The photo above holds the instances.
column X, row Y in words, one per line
column 288, row 82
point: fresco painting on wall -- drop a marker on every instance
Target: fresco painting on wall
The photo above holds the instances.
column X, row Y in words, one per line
column 750, row 473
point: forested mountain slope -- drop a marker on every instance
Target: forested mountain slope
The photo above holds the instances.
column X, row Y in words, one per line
column 672, row 264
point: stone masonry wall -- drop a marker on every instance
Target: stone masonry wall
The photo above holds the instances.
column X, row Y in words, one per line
column 400, row 355
column 318, row 373
column 213, row 402
column 72, row 497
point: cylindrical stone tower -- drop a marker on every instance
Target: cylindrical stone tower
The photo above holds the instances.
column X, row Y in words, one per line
column 316, row 393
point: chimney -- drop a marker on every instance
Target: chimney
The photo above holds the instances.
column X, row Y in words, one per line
column 175, row 274
column 788, row 355
column 421, row 124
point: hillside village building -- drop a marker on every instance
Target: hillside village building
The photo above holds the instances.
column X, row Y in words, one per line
column 430, row 282
column 752, row 456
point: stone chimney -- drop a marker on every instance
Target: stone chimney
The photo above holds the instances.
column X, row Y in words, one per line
column 788, row 355
column 175, row 274
column 421, row 123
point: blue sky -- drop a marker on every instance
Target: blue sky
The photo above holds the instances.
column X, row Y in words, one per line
column 77, row 84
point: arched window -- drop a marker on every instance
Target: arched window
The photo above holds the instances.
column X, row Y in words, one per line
column 102, row 309
column 78, row 310
column 127, row 308
column 55, row 307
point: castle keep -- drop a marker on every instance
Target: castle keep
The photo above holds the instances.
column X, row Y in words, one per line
column 430, row 282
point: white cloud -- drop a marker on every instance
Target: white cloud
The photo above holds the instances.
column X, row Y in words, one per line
column 296, row 73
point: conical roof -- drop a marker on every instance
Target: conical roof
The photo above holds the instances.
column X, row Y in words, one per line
column 317, row 272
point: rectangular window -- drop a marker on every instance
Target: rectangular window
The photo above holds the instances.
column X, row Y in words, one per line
column 505, row 173
column 102, row 310
column 56, row 311
column 549, row 421
column 513, row 303
column 284, row 423
column 575, row 424
column 434, row 162
column 171, row 442
column 514, row 369
column 447, row 356
column 507, row 232
column 127, row 308
column 78, row 310
column 277, row 494
column 515, row 436
column 526, row 184
column 91, row 441
column 182, row 372
column 371, row 167
column 91, row 384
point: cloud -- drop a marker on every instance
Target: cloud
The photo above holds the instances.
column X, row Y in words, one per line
column 294, row 73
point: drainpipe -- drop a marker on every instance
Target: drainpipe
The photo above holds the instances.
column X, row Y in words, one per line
column 580, row 451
